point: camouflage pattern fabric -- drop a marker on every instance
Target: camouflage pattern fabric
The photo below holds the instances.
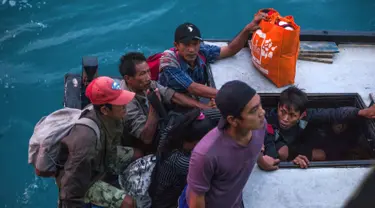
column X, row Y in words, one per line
column 136, row 179
column 119, row 159
column 105, row 195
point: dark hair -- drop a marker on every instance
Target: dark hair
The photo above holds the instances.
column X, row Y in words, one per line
column 128, row 63
column 98, row 107
column 189, row 129
column 295, row 98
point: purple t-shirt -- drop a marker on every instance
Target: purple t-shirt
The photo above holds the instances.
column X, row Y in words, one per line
column 220, row 167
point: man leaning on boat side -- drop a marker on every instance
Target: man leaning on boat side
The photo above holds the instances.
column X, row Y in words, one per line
column 87, row 160
column 142, row 119
column 184, row 70
column 290, row 118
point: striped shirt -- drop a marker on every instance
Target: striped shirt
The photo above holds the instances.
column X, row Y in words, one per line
column 171, row 179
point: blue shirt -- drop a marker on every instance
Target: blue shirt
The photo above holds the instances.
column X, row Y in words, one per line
column 175, row 73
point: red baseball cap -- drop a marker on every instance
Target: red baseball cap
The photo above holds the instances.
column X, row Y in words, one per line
column 103, row 90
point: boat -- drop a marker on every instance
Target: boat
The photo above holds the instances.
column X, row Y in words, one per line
column 347, row 81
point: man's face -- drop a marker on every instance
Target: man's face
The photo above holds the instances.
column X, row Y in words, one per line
column 252, row 116
column 188, row 51
column 118, row 112
column 142, row 79
column 288, row 117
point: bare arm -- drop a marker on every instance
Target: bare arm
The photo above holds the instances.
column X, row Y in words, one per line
column 150, row 127
column 186, row 101
column 196, row 201
column 235, row 45
column 202, row 90
column 239, row 41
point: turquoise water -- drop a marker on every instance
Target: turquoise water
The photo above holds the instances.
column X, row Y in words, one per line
column 42, row 40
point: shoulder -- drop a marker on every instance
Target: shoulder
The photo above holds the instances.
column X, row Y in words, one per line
column 168, row 54
column 208, row 47
column 211, row 52
column 207, row 145
column 81, row 138
column 155, row 84
column 169, row 59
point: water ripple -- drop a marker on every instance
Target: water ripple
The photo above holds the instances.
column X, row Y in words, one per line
column 22, row 4
column 36, row 185
column 31, row 26
column 120, row 25
column 13, row 74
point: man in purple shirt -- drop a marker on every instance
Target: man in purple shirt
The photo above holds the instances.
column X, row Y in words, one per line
column 222, row 161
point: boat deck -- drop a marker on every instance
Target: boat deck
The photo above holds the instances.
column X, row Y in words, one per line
column 351, row 72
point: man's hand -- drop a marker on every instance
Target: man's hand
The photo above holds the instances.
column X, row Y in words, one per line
column 302, row 161
column 268, row 163
column 368, row 112
column 128, row 202
column 254, row 24
column 156, row 92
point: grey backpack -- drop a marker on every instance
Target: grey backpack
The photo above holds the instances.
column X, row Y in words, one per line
column 44, row 144
column 136, row 179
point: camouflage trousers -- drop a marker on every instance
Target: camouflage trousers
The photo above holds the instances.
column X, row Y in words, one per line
column 104, row 194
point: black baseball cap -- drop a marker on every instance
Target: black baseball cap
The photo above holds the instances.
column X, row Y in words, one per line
column 232, row 98
column 186, row 32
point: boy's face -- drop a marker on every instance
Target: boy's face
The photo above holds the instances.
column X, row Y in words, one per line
column 288, row 116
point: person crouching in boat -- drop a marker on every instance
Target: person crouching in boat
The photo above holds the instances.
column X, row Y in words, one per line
column 142, row 119
column 184, row 69
column 87, row 160
column 222, row 161
column 322, row 142
column 290, row 118
column 172, row 170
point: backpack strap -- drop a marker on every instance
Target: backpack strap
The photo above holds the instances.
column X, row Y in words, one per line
column 202, row 57
column 90, row 123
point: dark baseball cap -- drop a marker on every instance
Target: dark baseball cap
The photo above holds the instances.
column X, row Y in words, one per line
column 232, row 98
column 186, row 32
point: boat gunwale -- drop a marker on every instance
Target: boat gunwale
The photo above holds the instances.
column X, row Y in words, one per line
column 339, row 37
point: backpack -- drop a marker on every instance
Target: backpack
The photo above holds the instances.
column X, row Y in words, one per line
column 154, row 63
column 44, row 144
column 136, row 179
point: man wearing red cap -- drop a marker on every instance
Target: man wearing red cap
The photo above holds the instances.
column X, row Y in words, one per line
column 87, row 160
